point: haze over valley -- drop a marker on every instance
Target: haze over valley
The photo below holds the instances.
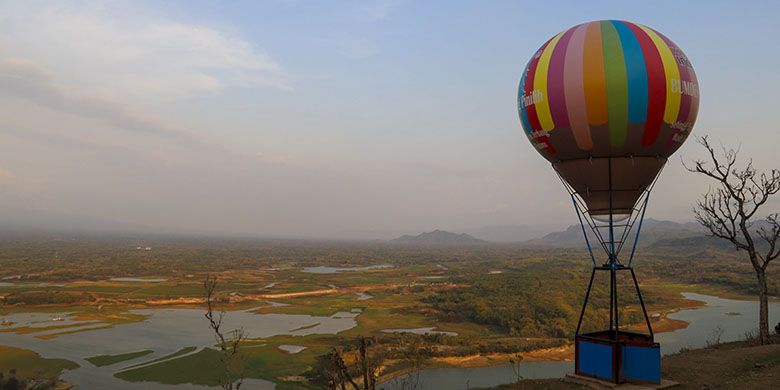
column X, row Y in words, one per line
column 388, row 194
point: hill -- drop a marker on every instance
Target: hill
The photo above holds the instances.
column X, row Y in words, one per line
column 511, row 233
column 438, row 238
column 653, row 232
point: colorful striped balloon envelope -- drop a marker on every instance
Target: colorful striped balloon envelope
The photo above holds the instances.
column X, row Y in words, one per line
column 607, row 102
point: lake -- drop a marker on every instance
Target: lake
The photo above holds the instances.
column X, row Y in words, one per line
column 719, row 313
column 333, row 270
column 149, row 280
column 171, row 329
column 734, row 317
column 165, row 331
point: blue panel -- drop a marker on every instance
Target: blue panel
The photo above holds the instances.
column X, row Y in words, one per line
column 595, row 359
column 642, row 364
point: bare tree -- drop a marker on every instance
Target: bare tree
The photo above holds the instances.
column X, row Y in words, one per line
column 729, row 211
column 367, row 366
column 331, row 369
column 233, row 376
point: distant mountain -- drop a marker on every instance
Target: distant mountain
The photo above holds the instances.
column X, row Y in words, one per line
column 653, row 231
column 439, row 237
column 511, row 233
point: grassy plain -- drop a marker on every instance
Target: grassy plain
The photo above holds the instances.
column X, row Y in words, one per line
column 29, row 364
column 178, row 353
column 107, row 360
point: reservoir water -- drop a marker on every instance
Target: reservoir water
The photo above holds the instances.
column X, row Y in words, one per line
column 733, row 317
column 334, row 270
column 169, row 330
column 165, row 331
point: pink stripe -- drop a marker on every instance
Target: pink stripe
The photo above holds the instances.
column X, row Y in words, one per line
column 573, row 75
column 555, row 88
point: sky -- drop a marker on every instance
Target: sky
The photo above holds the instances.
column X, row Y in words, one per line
column 337, row 119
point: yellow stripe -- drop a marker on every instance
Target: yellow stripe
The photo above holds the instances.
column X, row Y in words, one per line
column 540, row 84
column 671, row 72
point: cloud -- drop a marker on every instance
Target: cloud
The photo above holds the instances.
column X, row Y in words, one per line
column 21, row 78
column 136, row 54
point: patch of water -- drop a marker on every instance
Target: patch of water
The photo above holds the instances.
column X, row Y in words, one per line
column 165, row 331
column 332, row 270
column 420, row 331
column 142, row 280
column 702, row 325
column 41, row 320
column 291, row 349
column 716, row 316
column 363, row 296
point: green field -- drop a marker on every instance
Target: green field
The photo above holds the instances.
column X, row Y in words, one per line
column 107, row 360
column 178, row 353
column 29, row 364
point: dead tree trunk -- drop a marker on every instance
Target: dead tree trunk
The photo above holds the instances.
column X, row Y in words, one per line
column 763, row 309
column 729, row 210
column 233, row 375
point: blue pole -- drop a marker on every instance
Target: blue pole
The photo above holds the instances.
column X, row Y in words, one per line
column 584, row 233
column 638, row 228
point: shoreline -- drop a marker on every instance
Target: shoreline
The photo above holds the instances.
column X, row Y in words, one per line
column 554, row 354
column 662, row 324
column 563, row 353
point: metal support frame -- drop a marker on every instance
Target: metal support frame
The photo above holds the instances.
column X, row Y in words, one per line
column 612, row 245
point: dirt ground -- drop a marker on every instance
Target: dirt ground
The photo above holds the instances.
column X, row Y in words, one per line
column 739, row 365
column 726, row 366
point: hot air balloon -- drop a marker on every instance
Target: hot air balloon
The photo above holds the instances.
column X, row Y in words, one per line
column 606, row 103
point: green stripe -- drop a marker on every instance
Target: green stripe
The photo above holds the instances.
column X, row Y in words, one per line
column 617, row 84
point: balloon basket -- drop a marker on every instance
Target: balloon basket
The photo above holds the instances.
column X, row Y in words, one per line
column 618, row 357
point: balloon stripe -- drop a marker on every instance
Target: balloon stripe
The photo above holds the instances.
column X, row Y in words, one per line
column 573, row 79
column 671, row 74
column 694, row 111
column 533, row 117
column 656, row 85
column 593, row 80
column 522, row 108
column 555, row 84
column 636, row 73
column 617, row 84
column 540, row 84
column 685, row 99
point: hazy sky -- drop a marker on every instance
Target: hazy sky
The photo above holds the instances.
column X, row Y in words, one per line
column 325, row 118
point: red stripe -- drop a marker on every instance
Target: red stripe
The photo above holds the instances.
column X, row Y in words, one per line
column 530, row 111
column 656, row 85
column 694, row 110
column 555, row 87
